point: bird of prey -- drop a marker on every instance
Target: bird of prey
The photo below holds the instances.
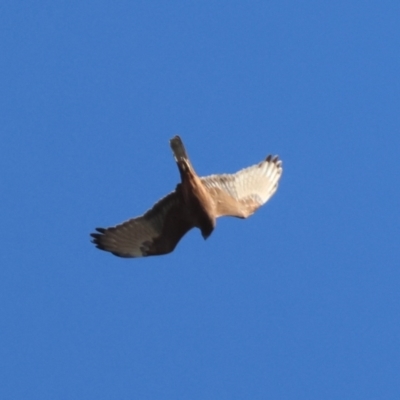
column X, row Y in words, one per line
column 196, row 202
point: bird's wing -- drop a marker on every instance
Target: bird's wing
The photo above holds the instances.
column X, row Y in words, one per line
column 240, row 194
column 156, row 232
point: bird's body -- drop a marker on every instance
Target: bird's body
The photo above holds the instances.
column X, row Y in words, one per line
column 195, row 202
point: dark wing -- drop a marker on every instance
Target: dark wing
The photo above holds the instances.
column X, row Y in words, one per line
column 240, row 194
column 156, row 232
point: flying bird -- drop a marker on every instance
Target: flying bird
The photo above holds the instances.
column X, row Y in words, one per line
column 196, row 202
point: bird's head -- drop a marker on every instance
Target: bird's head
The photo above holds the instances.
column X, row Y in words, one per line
column 207, row 228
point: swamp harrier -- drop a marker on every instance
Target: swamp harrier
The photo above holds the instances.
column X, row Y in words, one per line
column 195, row 202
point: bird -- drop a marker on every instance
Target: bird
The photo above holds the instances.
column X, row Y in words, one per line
column 196, row 202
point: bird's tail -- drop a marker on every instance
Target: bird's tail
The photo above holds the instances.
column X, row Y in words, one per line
column 180, row 155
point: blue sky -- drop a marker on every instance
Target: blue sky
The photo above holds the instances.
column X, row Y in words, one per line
column 300, row 301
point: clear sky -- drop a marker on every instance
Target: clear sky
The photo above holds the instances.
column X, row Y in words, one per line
column 300, row 301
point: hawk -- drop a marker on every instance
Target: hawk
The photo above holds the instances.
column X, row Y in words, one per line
column 196, row 202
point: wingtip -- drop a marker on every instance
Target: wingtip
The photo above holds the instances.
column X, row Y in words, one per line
column 274, row 159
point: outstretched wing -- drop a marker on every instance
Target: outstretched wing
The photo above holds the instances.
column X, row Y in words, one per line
column 156, row 232
column 240, row 194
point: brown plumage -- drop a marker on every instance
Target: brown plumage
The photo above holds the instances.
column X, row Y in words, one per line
column 195, row 202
